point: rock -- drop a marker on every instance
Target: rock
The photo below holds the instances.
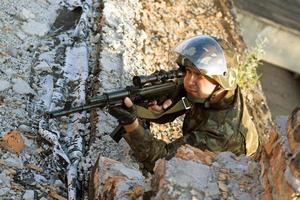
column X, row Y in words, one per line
column 228, row 160
column 281, row 179
column 26, row 14
column 28, row 195
column 4, row 191
column 43, row 67
column 222, row 176
column 268, row 147
column 244, row 196
column 11, row 52
column 291, row 176
column 35, row 28
column 188, row 152
column 34, row 167
column 58, row 183
column 4, row 85
column 4, row 180
column 12, row 161
column 24, row 128
column 55, row 195
column 21, row 35
column 293, row 134
column 182, row 179
column 12, row 141
column 223, row 186
column 22, row 87
column 293, row 129
column 112, row 179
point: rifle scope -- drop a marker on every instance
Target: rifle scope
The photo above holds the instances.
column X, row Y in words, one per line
column 158, row 76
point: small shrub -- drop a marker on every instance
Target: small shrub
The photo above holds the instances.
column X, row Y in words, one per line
column 247, row 74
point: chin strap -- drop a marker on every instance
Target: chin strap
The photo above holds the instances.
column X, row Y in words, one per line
column 207, row 101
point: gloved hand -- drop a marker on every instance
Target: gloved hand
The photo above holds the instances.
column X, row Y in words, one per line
column 125, row 115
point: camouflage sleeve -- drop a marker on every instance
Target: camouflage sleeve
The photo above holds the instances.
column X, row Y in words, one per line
column 146, row 148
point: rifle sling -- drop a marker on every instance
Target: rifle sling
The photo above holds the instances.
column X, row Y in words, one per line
column 144, row 113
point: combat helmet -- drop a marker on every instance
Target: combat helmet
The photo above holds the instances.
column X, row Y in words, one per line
column 211, row 56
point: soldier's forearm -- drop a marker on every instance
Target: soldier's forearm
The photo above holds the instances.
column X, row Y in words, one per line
column 147, row 148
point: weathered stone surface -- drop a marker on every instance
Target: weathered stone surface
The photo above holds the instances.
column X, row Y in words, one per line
column 225, row 176
column 184, row 179
column 188, row 152
column 28, row 195
column 35, row 28
column 269, row 146
column 22, row 87
column 111, row 179
column 26, row 14
column 4, row 85
column 12, row 141
column 293, row 130
column 281, row 160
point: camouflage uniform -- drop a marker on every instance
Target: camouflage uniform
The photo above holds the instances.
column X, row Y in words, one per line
column 222, row 126
column 225, row 126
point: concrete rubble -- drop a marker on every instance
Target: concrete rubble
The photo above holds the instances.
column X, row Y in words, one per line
column 62, row 52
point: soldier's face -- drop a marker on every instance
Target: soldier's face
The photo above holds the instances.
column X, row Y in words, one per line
column 198, row 85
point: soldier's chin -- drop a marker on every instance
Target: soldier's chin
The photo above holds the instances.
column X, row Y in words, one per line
column 194, row 94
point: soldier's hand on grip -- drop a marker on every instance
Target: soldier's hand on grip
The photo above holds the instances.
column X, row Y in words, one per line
column 125, row 114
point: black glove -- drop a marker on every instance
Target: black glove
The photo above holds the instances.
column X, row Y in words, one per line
column 124, row 114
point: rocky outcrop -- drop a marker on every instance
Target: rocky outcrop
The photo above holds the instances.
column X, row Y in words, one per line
column 111, row 179
column 280, row 160
column 197, row 174
column 191, row 174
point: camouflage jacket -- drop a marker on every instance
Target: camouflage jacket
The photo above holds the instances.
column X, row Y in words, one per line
column 225, row 126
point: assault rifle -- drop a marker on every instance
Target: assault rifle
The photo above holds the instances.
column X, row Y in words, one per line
column 159, row 86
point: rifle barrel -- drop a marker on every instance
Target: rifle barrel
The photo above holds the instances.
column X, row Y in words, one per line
column 100, row 102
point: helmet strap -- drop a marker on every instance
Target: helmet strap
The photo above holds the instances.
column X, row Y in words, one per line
column 207, row 101
column 218, row 89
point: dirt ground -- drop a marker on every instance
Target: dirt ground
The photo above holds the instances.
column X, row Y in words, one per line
column 281, row 88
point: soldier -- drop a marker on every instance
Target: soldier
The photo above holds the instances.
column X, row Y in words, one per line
column 217, row 120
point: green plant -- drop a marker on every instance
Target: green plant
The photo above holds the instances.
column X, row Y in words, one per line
column 247, row 74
